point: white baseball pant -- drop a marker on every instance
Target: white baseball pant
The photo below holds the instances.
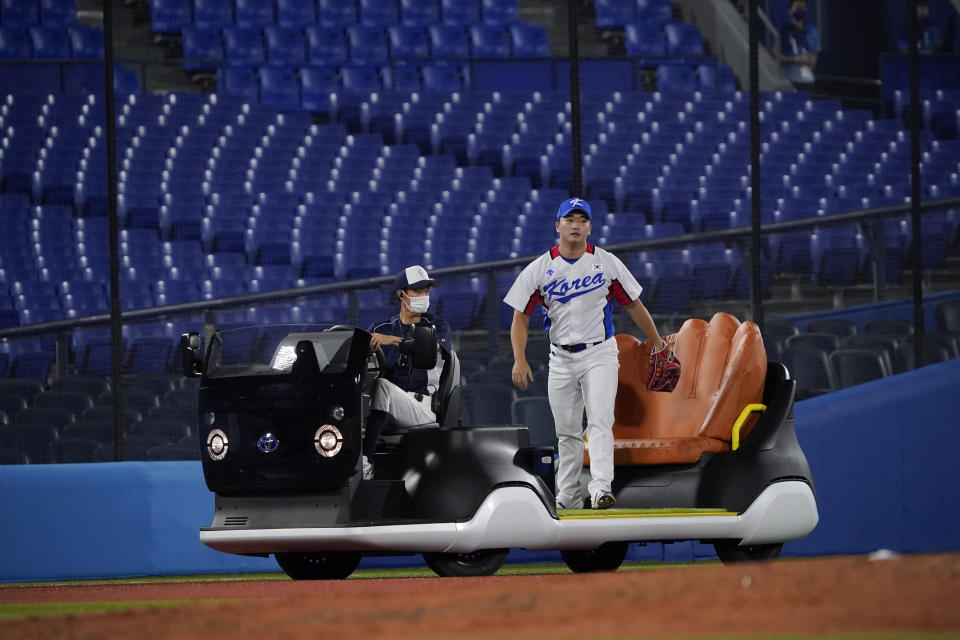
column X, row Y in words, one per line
column 402, row 405
column 586, row 379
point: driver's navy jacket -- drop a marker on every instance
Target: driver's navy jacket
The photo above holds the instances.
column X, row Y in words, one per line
column 400, row 370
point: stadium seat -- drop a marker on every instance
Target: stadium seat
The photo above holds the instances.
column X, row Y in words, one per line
column 243, row 46
column 420, row 13
column 716, row 78
column 645, row 39
column 326, row 45
column 279, row 86
column 169, row 16
column 253, row 14
column 683, row 39
column 678, row 78
column 202, row 48
column 49, row 43
column 336, row 13
column 58, row 14
column 857, row 366
column 534, row 413
column 810, row 367
column 408, row 41
column 448, row 41
column 285, row 45
column 212, row 14
column 378, row 13
column 840, row 327
column 75, row 450
column 946, row 314
column 441, row 78
column 462, row 13
column 529, row 40
column 295, row 14
column 15, row 44
column 612, row 14
column 489, row 41
column 239, row 81
column 502, row 12
column 75, row 403
column 368, row 44
column 85, row 41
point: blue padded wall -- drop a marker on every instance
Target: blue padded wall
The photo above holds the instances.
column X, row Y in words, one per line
column 882, row 456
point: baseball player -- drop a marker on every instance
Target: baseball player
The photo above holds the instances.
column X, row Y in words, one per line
column 403, row 393
column 577, row 283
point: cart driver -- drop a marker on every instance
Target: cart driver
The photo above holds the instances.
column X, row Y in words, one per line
column 403, row 393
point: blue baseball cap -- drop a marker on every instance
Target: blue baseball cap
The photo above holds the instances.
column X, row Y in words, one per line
column 574, row 204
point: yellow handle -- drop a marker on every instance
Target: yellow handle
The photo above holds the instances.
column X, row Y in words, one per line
column 747, row 410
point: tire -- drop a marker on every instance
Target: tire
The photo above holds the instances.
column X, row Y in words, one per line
column 730, row 552
column 607, row 557
column 484, row 562
column 318, row 566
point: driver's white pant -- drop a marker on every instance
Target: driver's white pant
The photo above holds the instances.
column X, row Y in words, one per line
column 402, row 405
column 577, row 381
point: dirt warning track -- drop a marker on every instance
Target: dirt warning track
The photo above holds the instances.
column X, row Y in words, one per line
column 816, row 596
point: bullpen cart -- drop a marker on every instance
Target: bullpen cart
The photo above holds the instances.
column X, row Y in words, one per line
column 282, row 412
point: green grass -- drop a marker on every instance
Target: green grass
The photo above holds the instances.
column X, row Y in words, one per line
column 28, row 609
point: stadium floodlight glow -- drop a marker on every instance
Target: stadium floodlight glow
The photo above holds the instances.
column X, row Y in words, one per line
column 217, row 444
column 328, row 441
column 337, row 413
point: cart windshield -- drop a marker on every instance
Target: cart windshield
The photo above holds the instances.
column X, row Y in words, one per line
column 272, row 351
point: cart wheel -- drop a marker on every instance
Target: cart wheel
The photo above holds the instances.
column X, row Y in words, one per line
column 318, row 566
column 606, row 557
column 730, row 552
column 484, row 562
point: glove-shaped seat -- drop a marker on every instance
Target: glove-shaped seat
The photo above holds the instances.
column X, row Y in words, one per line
column 724, row 368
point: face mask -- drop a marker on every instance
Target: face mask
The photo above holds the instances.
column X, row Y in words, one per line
column 799, row 15
column 417, row 304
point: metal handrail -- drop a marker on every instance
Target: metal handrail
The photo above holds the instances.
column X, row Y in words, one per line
column 488, row 267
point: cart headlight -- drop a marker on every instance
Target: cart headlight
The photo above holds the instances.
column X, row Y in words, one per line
column 217, row 444
column 328, row 441
column 337, row 413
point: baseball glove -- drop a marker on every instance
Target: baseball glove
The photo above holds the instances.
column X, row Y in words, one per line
column 664, row 370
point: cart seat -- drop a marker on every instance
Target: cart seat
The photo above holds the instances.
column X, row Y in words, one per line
column 724, row 365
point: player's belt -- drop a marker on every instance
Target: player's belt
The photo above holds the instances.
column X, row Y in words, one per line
column 576, row 348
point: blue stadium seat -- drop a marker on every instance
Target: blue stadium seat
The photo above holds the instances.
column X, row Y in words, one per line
column 529, row 40
column 378, row 13
column 285, row 45
column 243, row 46
column 683, row 39
column 460, row 12
column 659, row 11
column 326, row 45
column 201, row 43
column 49, row 43
column 835, row 256
column 420, row 13
column 296, row 14
column 678, row 78
column 402, row 78
column 15, row 44
column 86, row 42
column 253, row 14
column 169, row 16
column 645, row 39
column 408, row 41
column 441, row 78
column 502, row 12
column 336, row 13
column 279, row 86
column 360, row 79
column 448, row 41
column 489, row 41
column 316, row 84
column 58, row 13
column 716, row 78
column 212, row 14
column 368, row 44
column 612, row 14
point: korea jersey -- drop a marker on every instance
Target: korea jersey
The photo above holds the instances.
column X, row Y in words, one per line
column 577, row 297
